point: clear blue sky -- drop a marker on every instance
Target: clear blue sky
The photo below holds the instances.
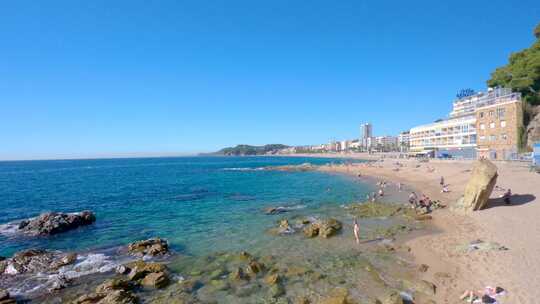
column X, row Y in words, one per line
column 98, row 78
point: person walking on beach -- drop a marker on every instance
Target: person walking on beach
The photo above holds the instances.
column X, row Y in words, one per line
column 356, row 231
column 399, row 186
column 442, row 181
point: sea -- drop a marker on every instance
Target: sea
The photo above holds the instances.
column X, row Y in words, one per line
column 206, row 208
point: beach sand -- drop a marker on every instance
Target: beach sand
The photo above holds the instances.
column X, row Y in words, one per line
column 515, row 226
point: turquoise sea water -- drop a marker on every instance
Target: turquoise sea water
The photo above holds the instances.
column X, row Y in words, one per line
column 199, row 204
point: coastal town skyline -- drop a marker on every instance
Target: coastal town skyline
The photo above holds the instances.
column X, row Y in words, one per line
column 261, row 76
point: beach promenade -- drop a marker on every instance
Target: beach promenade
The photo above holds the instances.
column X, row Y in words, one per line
column 514, row 226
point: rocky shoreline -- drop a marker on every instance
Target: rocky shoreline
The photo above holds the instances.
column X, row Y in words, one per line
column 148, row 272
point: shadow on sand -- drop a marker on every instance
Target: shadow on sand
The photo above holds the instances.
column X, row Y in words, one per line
column 515, row 200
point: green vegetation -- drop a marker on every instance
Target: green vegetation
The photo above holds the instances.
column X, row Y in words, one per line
column 522, row 73
column 241, row 150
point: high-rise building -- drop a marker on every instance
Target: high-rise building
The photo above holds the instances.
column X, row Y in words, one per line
column 366, row 131
column 366, row 135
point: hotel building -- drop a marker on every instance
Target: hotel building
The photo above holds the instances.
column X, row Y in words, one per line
column 485, row 124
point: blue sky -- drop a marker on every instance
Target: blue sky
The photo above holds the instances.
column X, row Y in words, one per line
column 106, row 78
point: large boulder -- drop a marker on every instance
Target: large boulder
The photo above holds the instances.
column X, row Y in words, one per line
column 56, row 222
column 479, row 188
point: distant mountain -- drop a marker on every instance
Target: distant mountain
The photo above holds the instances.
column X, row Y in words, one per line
column 241, row 150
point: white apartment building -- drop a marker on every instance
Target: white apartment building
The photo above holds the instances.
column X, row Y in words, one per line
column 451, row 134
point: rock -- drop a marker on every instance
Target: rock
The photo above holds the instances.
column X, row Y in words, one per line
column 254, row 267
column 272, row 279
column 276, row 290
column 113, row 284
column 275, row 210
column 60, row 282
column 56, row 222
column 219, row 285
column 284, row 223
column 294, row 168
column 90, row 298
column 329, row 227
column 119, row 297
column 376, row 209
column 237, row 275
column 156, row 280
column 311, row 230
column 140, row 269
column 324, row 228
column 479, row 187
column 423, row 268
column 152, row 247
column 337, row 296
column 189, row 285
column 301, row 300
column 36, row 260
column 3, row 265
column 533, row 128
column 122, row 269
column 64, row 260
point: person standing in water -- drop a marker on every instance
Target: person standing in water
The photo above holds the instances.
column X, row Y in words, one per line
column 356, row 230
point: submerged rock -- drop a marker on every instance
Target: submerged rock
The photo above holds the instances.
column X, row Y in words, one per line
column 376, row 209
column 139, row 269
column 156, row 280
column 337, row 296
column 151, row 247
column 56, row 222
column 479, row 188
column 294, row 168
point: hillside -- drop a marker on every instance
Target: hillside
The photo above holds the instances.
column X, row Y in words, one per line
column 241, row 150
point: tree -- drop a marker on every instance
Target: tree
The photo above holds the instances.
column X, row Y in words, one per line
column 522, row 73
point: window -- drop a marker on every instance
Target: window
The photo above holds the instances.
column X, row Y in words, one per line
column 490, row 113
column 501, row 112
column 492, row 137
column 481, row 114
column 503, row 136
column 482, row 137
column 492, row 125
column 482, row 127
column 503, row 123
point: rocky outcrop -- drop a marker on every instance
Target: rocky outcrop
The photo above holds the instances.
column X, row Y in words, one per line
column 479, row 188
column 150, row 247
column 56, row 222
column 294, row 168
column 533, row 129
column 36, row 260
column 323, row 228
column 119, row 290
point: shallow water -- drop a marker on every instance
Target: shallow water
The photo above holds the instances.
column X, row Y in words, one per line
column 209, row 209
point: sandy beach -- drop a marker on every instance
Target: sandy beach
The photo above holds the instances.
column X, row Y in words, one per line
column 514, row 226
